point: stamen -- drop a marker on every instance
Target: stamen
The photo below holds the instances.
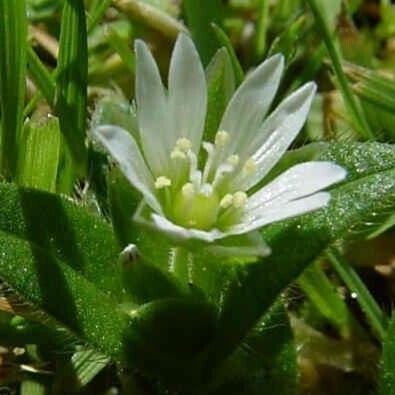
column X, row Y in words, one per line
column 188, row 190
column 233, row 160
column 240, row 199
column 226, row 201
column 162, row 182
column 195, row 175
column 221, row 138
column 210, row 149
column 177, row 154
column 206, row 189
column 249, row 167
column 219, row 174
column 183, row 144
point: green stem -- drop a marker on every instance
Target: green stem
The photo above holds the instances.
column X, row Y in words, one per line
column 356, row 112
column 179, row 264
column 376, row 317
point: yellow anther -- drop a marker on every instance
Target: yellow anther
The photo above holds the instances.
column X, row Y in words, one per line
column 233, row 160
column 162, row 182
column 249, row 166
column 226, row 201
column 188, row 190
column 240, row 199
column 183, row 144
column 177, row 154
column 221, row 138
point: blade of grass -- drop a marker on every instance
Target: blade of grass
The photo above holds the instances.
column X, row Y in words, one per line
column 322, row 294
column 225, row 41
column 356, row 112
column 200, row 15
column 39, row 152
column 121, row 47
column 13, row 32
column 261, row 28
column 41, row 76
column 72, row 75
column 375, row 316
column 96, row 13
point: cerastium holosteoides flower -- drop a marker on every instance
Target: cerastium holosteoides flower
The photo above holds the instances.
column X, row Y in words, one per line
column 194, row 189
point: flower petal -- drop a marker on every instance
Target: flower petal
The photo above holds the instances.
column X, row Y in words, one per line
column 292, row 193
column 152, row 111
column 277, row 133
column 250, row 103
column 299, row 181
column 187, row 93
column 123, row 148
column 289, row 209
column 180, row 233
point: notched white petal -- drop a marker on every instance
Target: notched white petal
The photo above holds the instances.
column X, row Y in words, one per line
column 187, row 93
column 124, row 150
column 280, row 212
column 299, row 181
column 152, row 110
column 251, row 102
column 278, row 132
column 183, row 234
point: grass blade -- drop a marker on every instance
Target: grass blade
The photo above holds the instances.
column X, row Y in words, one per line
column 200, row 15
column 39, row 152
column 13, row 31
column 387, row 370
column 72, row 75
column 41, row 76
column 356, row 112
column 376, row 317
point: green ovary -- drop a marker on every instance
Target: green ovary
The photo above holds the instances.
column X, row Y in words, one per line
column 198, row 211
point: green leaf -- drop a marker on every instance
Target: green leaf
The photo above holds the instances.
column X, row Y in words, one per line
column 72, row 75
column 295, row 243
column 39, row 152
column 82, row 240
column 13, row 38
column 224, row 40
column 41, row 76
column 220, row 87
column 375, row 316
column 67, row 269
column 121, row 47
column 262, row 27
column 323, row 295
column 355, row 110
column 200, row 15
column 386, row 381
column 265, row 362
column 78, row 371
column 31, row 387
column 97, row 11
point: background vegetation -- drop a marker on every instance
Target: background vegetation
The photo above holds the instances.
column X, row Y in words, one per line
column 313, row 318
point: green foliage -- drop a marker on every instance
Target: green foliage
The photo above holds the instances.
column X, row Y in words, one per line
column 387, row 369
column 13, row 33
column 83, row 310
column 72, row 74
column 200, row 15
column 38, row 154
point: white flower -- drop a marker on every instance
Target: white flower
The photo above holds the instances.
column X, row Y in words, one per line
column 209, row 199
